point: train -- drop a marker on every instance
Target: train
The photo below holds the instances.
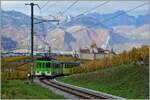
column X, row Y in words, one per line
column 48, row 67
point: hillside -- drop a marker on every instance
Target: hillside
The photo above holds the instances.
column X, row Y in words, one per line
column 122, row 74
column 128, row 81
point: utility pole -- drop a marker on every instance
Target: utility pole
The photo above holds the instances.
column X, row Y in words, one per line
column 49, row 51
column 32, row 32
column 32, row 25
column 32, row 35
column 32, row 29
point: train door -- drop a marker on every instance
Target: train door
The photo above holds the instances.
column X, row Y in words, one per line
column 52, row 68
column 48, row 68
column 61, row 68
column 43, row 68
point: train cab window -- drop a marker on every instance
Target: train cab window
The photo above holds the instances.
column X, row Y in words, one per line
column 55, row 65
column 38, row 65
column 43, row 65
column 52, row 65
column 48, row 64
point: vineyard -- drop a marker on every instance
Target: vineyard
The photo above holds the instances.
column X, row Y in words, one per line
column 136, row 55
column 15, row 67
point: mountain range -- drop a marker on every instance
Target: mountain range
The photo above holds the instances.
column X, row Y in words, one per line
column 75, row 32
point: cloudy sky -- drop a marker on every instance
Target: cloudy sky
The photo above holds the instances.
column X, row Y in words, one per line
column 55, row 7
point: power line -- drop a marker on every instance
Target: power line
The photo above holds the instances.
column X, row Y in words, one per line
column 69, row 7
column 44, row 5
column 94, row 8
column 113, row 17
column 45, row 41
column 43, row 26
column 47, row 9
column 110, row 18
column 105, row 20
column 116, row 16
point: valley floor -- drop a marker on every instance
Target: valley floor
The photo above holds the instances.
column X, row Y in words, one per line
column 128, row 81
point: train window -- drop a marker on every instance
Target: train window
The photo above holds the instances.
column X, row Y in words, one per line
column 48, row 64
column 52, row 64
column 55, row 65
column 38, row 65
column 58, row 65
column 42, row 65
column 51, row 67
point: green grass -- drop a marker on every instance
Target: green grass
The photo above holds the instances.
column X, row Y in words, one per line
column 17, row 89
column 128, row 81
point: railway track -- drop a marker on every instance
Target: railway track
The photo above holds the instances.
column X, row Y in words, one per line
column 74, row 91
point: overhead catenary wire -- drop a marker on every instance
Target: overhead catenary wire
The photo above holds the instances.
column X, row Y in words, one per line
column 42, row 20
column 110, row 18
column 43, row 27
column 98, row 6
column 44, row 5
column 48, row 7
column 115, row 16
column 63, row 12
column 44, row 40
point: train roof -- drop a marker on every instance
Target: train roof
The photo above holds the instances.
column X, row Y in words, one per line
column 50, row 61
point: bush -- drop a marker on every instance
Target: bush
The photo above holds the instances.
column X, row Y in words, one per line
column 135, row 55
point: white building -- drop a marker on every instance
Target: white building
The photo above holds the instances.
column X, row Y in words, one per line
column 94, row 53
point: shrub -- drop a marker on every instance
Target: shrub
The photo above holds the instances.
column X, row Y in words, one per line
column 135, row 55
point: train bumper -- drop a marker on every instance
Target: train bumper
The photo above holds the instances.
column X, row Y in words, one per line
column 42, row 73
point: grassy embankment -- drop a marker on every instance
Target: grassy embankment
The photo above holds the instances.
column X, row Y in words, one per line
column 129, row 81
column 13, row 82
column 18, row 89
column 125, row 75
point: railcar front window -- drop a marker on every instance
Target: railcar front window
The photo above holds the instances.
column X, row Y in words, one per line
column 48, row 65
column 43, row 64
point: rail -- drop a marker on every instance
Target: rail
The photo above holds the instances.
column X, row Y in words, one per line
column 83, row 94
